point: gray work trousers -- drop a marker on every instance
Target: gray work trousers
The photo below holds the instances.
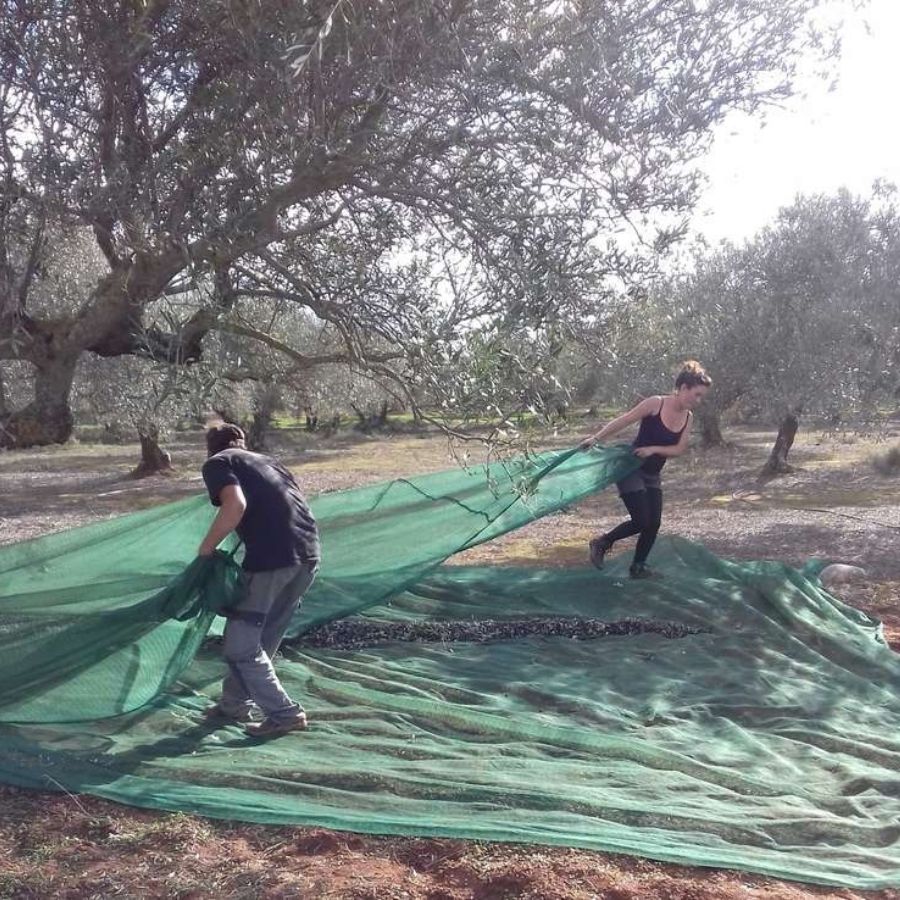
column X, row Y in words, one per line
column 254, row 631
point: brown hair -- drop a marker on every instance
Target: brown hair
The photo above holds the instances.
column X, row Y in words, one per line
column 692, row 375
column 221, row 437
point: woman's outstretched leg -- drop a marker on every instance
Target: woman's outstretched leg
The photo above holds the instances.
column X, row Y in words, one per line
column 636, row 504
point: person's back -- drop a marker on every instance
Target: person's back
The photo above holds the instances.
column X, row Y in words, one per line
column 260, row 500
column 277, row 528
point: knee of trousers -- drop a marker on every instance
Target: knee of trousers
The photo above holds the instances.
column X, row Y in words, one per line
column 644, row 523
column 242, row 656
column 246, row 617
column 243, row 638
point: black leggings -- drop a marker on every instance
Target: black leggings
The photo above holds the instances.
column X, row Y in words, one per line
column 645, row 509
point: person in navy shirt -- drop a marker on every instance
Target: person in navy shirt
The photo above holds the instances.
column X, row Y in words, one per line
column 665, row 422
column 260, row 500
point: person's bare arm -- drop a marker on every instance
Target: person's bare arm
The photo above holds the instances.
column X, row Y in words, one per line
column 231, row 511
column 645, row 408
column 674, row 450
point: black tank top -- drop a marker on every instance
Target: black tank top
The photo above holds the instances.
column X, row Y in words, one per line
column 653, row 433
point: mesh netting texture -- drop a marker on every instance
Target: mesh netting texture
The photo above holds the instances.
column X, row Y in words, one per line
column 725, row 714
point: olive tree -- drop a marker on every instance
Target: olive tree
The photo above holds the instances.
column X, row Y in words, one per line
column 802, row 319
column 215, row 141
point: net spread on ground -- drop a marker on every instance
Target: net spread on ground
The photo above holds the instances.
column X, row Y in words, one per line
column 726, row 714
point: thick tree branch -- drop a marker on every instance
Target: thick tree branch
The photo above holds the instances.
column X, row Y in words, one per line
column 302, row 360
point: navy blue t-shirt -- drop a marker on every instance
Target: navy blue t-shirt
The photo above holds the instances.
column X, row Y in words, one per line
column 277, row 528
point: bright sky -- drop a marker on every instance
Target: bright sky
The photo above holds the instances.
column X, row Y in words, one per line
column 818, row 143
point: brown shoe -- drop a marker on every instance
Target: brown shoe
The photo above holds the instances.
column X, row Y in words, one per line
column 274, row 727
column 217, row 715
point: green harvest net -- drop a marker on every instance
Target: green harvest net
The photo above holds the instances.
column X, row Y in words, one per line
column 740, row 717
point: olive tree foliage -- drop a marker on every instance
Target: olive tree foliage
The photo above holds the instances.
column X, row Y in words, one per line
column 258, row 370
column 15, row 385
column 271, row 146
column 138, row 397
column 133, row 397
column 804, row 319
column 631, row 351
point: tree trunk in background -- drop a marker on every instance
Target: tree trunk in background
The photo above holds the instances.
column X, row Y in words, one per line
column 369, row 419
column 3, row 401
column 154, row 460
column 265, row 405
column 777, row 463
column 47, row 419
column 586, row 389
column 710, row 427
column 709, row 414
column 258, row 432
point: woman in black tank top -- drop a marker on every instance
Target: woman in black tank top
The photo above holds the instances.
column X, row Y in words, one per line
column 663, row 432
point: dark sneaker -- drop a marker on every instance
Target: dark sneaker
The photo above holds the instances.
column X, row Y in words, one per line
column 639, row 570
column 275, row 727
column 599, row 547
column 216, row 714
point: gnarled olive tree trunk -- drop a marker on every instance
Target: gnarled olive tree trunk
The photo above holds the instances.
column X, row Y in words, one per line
column 108, row 323
column 48, row 418
column 154, row 460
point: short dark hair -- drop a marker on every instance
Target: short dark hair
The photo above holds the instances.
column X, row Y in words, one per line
column 692, row 375
column 221, row 437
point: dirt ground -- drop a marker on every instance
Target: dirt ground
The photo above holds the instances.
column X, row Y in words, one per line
column 834, row 506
